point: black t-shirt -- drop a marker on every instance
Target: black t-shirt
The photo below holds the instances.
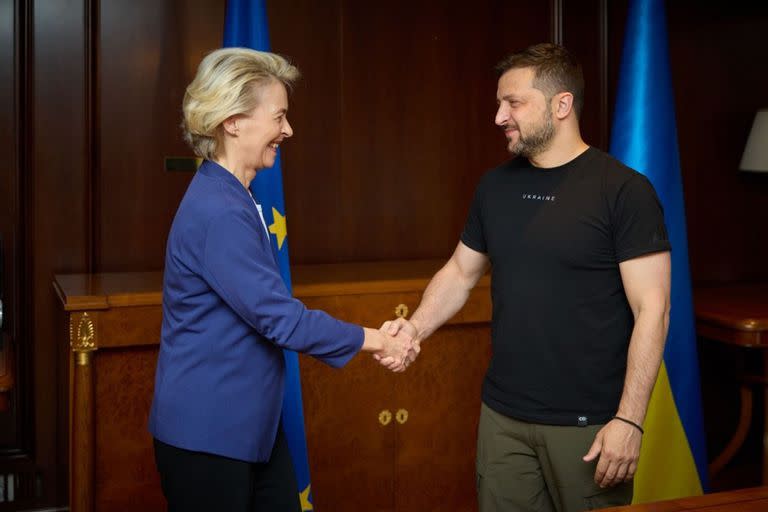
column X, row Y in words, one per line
column 561, row 321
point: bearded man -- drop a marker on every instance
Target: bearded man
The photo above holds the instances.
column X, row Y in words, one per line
column 580, row 272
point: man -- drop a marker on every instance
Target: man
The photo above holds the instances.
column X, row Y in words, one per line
column 580, row 287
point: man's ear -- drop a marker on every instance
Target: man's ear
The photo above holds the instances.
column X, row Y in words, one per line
column 563, row 104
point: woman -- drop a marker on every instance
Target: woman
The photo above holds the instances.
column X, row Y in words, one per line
column 226, row 313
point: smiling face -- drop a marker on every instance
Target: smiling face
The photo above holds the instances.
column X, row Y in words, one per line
column 524, row 113
column 261, row 131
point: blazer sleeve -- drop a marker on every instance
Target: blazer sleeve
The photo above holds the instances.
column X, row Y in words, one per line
column 238, row 264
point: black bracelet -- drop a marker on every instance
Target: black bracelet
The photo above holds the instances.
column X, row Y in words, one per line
column 638, row 427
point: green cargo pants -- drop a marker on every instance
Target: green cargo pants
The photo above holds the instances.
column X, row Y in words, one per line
column 524, row 467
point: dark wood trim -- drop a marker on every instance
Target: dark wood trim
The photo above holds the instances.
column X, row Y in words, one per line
column 82, row 452
column 556, row 31
column 17, row 457
column 9, row 138
column 55, row 223
column 91, row 123
column 24, row 253
column 604, row 121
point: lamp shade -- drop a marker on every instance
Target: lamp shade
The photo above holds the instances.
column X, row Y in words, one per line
column 755, row 157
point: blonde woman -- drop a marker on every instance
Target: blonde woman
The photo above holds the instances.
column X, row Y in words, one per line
column 227, row 315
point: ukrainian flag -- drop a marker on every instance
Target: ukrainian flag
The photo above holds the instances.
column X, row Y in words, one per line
column 246, row 26
column 673, row 458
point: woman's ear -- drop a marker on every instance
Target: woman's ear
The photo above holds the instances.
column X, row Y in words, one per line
column 230, row 126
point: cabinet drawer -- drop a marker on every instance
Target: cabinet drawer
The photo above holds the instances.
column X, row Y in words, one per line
column 372, row 309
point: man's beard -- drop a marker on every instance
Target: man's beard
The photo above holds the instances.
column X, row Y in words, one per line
column 535, row 142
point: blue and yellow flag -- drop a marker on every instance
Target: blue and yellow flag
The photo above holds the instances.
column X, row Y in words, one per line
column 644, row 137
column 246, row 26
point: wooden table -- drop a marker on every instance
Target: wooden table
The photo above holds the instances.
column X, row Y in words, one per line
column 743, row 500
column 737, row 314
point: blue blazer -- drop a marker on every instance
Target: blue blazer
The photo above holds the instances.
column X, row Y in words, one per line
column 227, row 316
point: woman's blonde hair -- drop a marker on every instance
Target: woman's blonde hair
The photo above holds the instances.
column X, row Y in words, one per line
column 225, row 85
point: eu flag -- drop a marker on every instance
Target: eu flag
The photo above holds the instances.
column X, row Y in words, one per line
column 644, row 137
column 246, row 26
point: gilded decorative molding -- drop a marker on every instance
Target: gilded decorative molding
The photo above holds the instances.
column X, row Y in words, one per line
column 82, row 337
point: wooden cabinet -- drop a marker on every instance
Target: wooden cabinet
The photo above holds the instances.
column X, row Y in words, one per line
column 377, row 440
column 384, row 441
column 112, row 329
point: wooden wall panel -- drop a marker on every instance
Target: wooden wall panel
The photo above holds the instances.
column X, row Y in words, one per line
column 17, row 431
column 148, row 53
column 714, row 55
column 718, row 60
column 58, row 211
column 584, row 33
column 393, row 121
column 9, row 215
column 312, row 159
column 387, row 154
column 8, row 128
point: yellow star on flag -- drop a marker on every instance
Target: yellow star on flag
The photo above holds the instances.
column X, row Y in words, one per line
column 278, row 227
column 304, row 497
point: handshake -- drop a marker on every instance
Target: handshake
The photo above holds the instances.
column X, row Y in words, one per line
column 395, row 345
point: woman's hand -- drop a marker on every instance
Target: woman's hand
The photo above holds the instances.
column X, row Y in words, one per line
column 394, row 352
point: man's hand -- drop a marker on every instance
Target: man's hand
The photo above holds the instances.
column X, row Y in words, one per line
column 399, row 329
column 618, row 445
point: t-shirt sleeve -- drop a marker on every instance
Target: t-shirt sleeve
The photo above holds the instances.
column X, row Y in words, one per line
column 638, row 220
column 473, row 235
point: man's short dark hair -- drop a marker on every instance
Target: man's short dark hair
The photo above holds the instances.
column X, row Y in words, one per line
column 555, row 70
